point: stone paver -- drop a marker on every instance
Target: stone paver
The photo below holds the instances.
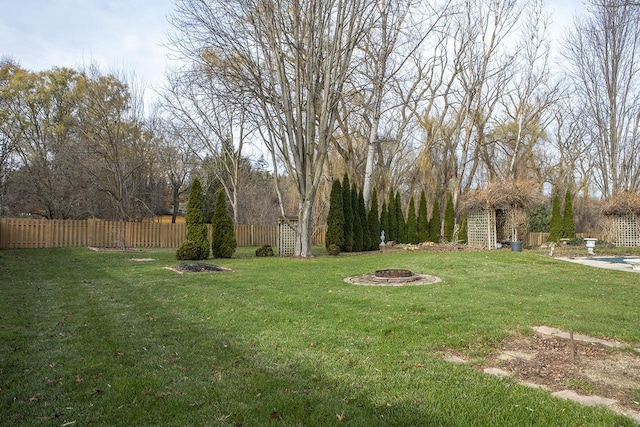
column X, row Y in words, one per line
column 547, row 330
column 585, row 400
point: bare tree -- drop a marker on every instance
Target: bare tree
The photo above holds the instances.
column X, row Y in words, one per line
column 527, row 104
column 120, row 147
column 602, row 51
column 212, row 115
column 177, row 160
column 292, row 58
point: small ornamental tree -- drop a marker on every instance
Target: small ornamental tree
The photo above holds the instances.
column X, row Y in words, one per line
column 357, row 224
column 392, row 235
column 374, row 222
column 223, row 240
column 335, row 218
column 435, row 223
column 384, row 221
column 568, row 223
column 555, row 228
column 196, row 245
column 423, row 219
column 348, row 214
column 412, row 223
column 449, row 219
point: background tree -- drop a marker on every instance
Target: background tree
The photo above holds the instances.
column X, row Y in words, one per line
column 435, row 223
column 366, row 233
column 292, row 61
column 402, row 223
column 602, row 54
column 374, row 222
column 540, row 218
column 335, row 218
column 223, row 237
column 555, row 227
column 568, row 222
column 349, row 218
column 177, row 160
column 122, row 148
column 449, row 219
column 423, row 219
column 358, row 234
column 412, row 223
column 213, row 122
column 384, row 220
column 196, row 245
column 392, row 234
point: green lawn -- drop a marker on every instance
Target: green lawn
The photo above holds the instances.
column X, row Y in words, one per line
column 90, row 338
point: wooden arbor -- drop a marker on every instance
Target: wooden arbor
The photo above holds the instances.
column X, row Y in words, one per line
column 622, row 219
column 497, row 214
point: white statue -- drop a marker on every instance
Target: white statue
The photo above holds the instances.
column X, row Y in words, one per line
column 382, row 239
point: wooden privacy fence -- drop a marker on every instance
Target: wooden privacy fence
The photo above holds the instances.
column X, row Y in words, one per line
column 43, row 233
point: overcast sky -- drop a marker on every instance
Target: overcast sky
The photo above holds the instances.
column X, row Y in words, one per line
column 117, row 35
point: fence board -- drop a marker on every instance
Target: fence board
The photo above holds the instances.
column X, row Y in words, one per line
column 42, row 233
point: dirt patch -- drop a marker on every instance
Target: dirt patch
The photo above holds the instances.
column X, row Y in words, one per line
column 196, row 268
column 593, row 369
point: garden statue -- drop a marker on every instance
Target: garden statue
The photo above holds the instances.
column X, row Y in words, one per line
column 382, row 239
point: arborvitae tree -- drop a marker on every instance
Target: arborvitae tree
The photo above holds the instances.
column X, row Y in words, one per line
column 364, row 220
column 555, row 228
column 223, row 240
column 568, row 223
column 357, row 224
column 402, row 223
column 412, row 223
column 374, row 222
column 463, row 234
column 335, row 218
column 393, row 217
column 423, row 219
column 348, row 214
column 384, row 221
column 435, row 223
column 449, row 219
column 196, row 245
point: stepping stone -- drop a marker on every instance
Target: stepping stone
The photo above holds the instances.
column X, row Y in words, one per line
column 497, row 372
column 585, row 400
column 555, row 332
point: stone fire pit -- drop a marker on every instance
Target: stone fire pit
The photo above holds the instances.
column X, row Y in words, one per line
column 393, row 277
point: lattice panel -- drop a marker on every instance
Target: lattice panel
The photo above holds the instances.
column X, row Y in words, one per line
column 287, row 238
column 627, row 231
column 482, row 229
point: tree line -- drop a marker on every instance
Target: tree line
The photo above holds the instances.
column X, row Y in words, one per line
column 353, row 228
column 437, row 97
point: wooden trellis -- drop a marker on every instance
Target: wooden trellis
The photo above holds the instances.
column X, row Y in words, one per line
column 627, row 230
column 481, row 229
column 287, row 236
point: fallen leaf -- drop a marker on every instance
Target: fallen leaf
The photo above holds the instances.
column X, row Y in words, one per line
column 340, row 417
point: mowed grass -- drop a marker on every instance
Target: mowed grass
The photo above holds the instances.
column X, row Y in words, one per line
column 90, row 338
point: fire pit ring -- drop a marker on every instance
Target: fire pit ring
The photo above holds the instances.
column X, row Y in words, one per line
column 393, row 277
column 393, row 273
